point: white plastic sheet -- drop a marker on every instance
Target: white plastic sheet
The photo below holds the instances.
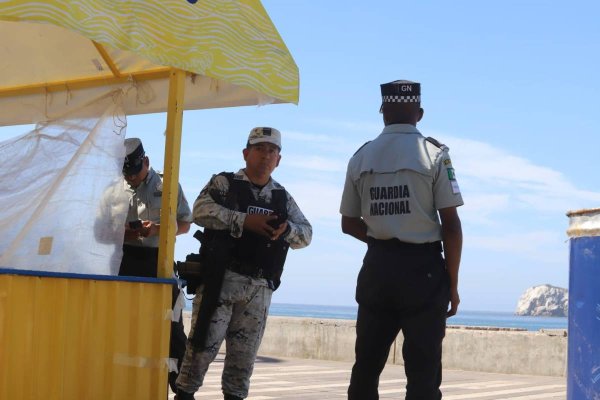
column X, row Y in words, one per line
column 62, row 199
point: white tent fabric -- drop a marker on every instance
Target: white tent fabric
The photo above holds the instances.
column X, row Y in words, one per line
column 142, row 97
column 69, row 57
column 60, row 53
column 62, row 199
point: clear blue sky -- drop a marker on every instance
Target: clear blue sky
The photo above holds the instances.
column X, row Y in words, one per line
column 511, row 87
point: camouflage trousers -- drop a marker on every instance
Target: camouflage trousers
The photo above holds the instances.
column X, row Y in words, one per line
column 240, row 320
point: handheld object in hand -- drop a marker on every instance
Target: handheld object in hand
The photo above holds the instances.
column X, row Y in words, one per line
column 275, row 223
column 135, row 224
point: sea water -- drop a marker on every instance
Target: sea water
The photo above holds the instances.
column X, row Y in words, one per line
column 464, row 317
column 467, row 318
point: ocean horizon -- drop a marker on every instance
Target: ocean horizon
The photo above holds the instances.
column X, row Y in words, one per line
column 494, row 319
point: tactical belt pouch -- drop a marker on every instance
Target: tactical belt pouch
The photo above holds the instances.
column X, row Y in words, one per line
column 192, row 271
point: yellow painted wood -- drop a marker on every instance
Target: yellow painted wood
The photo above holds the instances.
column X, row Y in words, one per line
column 233, row 41
column 73, row 339
column 168, row 217
column 75, row 84
column 107, row 59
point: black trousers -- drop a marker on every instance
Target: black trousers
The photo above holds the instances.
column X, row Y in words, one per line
column 143, row 262
column 401, row 287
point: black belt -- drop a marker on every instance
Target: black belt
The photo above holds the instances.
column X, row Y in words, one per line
column 246, row 269
column 395, row 243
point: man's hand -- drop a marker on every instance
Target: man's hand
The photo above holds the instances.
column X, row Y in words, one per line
column 149, row 228
column 355, row 227
column 279, row 231
column 259, row 223
column 454, row 302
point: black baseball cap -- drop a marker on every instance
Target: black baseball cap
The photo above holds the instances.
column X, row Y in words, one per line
column 134, row 159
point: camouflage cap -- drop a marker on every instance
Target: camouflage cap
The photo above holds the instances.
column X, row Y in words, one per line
column 265, row 134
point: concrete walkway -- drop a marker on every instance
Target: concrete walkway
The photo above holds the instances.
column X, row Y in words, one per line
column 284, row 378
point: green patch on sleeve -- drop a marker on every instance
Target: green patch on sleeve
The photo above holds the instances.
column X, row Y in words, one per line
column 451, row 175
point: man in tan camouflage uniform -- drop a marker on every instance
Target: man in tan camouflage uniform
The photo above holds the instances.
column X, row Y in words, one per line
column 254, row 219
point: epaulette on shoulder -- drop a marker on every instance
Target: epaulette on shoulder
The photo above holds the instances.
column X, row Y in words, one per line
column 436, row 143
column 360, row 148
column 228, row 175
column 234, row 179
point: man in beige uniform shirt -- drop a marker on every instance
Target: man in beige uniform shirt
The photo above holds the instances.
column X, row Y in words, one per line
column 143, row 186
column 400, row 197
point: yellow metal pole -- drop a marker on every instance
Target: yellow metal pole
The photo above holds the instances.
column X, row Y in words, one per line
column 82, row 83
column 168, row 216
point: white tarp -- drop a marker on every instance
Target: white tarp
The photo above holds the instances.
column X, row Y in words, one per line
column 62, row 203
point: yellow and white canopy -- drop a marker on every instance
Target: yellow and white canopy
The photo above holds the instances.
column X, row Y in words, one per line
column 58, row 54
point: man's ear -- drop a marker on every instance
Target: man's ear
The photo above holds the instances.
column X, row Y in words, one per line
column 245, row 153
column 147, row 161
column 278, row 160
column 421, row 112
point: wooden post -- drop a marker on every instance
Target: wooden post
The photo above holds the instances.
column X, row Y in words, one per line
column 168, row 214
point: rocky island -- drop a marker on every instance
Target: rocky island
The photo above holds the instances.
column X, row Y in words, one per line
column 544, row 300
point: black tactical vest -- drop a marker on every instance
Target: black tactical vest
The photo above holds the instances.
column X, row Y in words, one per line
column 253, row 254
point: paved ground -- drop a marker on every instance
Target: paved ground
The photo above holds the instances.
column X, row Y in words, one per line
column 282, row 378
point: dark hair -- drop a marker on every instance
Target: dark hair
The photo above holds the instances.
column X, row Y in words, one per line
column 248, row 145
column 401, row 113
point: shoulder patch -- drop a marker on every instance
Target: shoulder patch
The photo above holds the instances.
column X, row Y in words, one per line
column 360, row 148
column 435, row 142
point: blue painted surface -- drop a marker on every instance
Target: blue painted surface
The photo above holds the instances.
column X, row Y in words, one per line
column 70, row 275
column 583, row 371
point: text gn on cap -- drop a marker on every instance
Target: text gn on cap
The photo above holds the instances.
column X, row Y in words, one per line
column 401, row 91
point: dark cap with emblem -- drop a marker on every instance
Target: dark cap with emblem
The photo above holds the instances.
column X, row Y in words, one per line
column 134, row 158
column 401, row 92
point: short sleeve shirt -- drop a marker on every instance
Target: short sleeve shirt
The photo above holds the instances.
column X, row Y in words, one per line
column 145, row 203
column 397, row 182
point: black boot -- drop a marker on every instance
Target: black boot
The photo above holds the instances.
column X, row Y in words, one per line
column 181, row 395
column 231, row 397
